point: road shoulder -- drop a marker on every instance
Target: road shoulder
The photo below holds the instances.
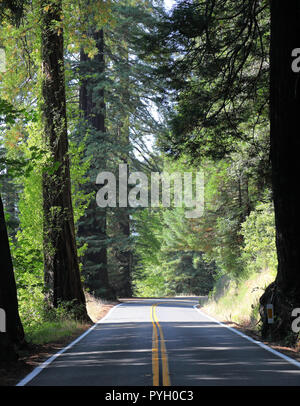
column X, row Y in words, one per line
column 35, row 354
column 292, row 352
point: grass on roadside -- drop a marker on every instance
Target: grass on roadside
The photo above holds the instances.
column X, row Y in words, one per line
column 53, row 331
column 59, row 324
column 239, row 301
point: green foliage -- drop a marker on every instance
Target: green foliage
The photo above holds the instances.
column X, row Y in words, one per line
column 170, row 259
column 205, row 69
column 30, row 298
column 259, row 251
column 12, row 10
column 53, row 331
column 226, row 204
column 27, row 249
column 188, row 273
column 8, row 113
column 43, row 325
column 79, row 169
column 215, row 57
column 150, row 282
column 148, row 278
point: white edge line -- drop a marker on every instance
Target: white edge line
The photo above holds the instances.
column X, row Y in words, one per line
column 259, row 343
column 42, row 366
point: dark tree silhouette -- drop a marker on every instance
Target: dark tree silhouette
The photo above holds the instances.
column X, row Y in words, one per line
column 62, row 275
column 13, row 336
column 284, row 293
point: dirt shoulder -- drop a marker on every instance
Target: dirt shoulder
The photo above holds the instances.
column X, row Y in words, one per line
column 33, row 355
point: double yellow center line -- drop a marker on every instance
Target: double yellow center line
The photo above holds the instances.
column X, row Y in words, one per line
column 158, row 338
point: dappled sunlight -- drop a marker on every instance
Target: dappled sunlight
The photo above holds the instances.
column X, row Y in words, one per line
column 194, row 349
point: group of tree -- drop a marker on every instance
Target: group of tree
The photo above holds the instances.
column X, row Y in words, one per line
column 82, row 95
column 74, row 97
column 235, row 91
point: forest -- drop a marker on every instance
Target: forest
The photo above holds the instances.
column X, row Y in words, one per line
column 91, row 86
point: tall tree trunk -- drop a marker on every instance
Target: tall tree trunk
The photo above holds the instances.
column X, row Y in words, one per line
column 62, row 276
column 13, row 334
column 123, row 251
column 284, row 293
column 92, row 228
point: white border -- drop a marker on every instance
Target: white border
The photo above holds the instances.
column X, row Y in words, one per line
column 38, row 369
column 259, row 343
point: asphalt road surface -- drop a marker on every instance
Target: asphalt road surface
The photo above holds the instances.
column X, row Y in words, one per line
column 163, row 342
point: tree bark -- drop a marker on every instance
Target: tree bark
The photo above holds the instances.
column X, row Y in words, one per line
column 123, row 252
column 92, row 228
column 284, row 293
column 62, row 276
column 13, row 336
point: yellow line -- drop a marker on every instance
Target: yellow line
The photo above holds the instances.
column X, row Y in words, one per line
column 155, row 360
column 166, row 377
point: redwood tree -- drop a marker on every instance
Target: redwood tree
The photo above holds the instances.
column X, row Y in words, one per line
column 62, row 275
column 13, row 336
column 122, row 249
column 284, row 293
column 92, row 227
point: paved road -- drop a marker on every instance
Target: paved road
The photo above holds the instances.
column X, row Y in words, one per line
column 164, row 342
